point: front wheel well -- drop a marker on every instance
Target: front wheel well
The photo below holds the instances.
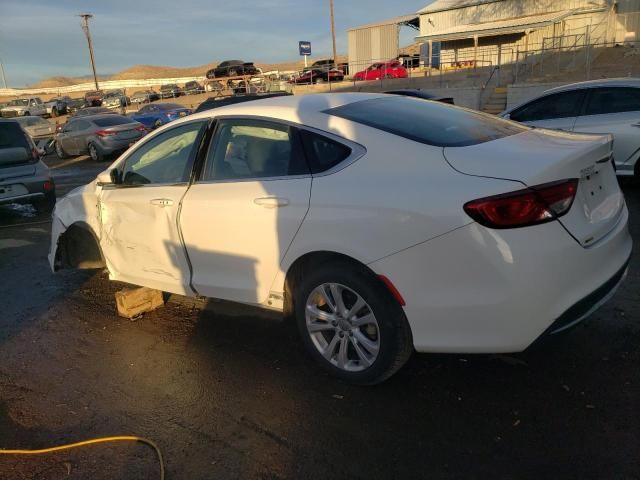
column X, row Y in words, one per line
column 78, row 247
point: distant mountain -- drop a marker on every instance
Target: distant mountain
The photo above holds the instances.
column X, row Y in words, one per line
column 156, row 71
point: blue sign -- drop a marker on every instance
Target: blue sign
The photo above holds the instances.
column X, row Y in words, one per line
column 305, row 48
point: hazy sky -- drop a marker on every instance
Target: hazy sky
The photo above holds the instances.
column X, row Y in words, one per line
column 42, row 38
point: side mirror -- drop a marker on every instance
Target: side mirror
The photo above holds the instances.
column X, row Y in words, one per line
column 108, row 177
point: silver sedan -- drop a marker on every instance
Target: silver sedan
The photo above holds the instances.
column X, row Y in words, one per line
column 98, row 135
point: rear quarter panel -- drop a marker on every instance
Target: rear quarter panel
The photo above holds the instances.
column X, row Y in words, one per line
column 399, row 194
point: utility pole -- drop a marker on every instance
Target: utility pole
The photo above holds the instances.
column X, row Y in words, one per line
column 85, row 27
column 4, row 78
column 333, row 34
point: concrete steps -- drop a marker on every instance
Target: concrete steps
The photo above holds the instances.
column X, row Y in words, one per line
column 497, row 102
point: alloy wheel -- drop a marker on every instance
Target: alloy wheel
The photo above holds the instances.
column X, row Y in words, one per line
column 342, row 327
column 93, row 152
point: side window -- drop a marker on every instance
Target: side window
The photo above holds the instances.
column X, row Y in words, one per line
column 70, row 127
column 558, row 105
column 167, row 158
column 253, row 149
column 613, row 100
column 81, row 125
column 322, row 152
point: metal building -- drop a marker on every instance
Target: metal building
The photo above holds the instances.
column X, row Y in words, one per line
column 494, row 32
column 377, row 42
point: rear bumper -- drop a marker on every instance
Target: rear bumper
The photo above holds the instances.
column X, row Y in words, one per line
column 113, row 146
column 477, row 290
column 589, row 304
column 34, row 189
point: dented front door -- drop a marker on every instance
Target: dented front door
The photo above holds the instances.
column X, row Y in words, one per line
column 140, row 238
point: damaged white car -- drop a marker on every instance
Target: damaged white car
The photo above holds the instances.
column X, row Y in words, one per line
column 383, row 223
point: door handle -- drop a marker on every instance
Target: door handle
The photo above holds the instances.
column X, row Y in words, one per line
column 271, row 202
column 161, row 202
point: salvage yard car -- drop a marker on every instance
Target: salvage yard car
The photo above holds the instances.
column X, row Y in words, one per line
column 157, row 114
column 597, row 106
column 22, row 107
column 24, row 178
column 480, row 236
column 317, row 75
column 98, row 135
column 232, row 68
column 40, row 130
column 145, row 96
column 377, row 71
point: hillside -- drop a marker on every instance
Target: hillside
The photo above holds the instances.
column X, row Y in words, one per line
column 157, row 71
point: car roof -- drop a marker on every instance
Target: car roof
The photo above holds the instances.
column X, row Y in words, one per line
column 96, row 116
column 606, row 82
column 303, row 109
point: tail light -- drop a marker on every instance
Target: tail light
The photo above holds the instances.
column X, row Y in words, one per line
column 141, row 128
column 105, row 133
column 171, row 113
column 530, row 206
column 47, row 186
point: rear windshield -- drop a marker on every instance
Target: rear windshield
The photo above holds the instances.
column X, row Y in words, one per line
column 168, row 106
column 428, row 122
column 12, row 139
column 11, row 136
column 112, row 120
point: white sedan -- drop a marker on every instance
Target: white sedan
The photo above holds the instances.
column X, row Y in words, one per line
column 597, row 106
column 383, row 223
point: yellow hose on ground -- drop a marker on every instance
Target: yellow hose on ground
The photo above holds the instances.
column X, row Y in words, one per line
column 122, row 438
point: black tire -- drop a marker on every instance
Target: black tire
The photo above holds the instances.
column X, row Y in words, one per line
column 233, row 73
column 95, row 153
column 60, row 151
column 388, row 76
column 395, row 340
column 54, row 112
column 27, row 113
column 157, row 124
column 46, row 204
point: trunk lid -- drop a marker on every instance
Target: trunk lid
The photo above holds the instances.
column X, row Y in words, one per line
column 125, row 131
column 10, row 172
column 540, row 156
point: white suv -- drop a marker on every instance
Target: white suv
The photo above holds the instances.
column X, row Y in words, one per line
column 600, row 106
column 22, row 107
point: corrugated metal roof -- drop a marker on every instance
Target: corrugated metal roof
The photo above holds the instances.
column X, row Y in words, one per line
column 440, row 5
column 498, row 27
column 391, row 21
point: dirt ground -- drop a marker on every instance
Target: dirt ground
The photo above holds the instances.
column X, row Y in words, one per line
column 227, row 392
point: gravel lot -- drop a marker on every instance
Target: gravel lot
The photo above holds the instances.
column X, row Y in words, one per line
column 227, row 392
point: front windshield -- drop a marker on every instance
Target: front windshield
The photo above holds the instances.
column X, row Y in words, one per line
column 19, row 102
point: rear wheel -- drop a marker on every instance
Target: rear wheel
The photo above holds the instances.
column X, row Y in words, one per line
column 95, row 153
column 46, row 204
column 54, row 112
column 388, row 76
column 60, row 151
column 27, row 113
column 350, row 323
column 157, row 124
